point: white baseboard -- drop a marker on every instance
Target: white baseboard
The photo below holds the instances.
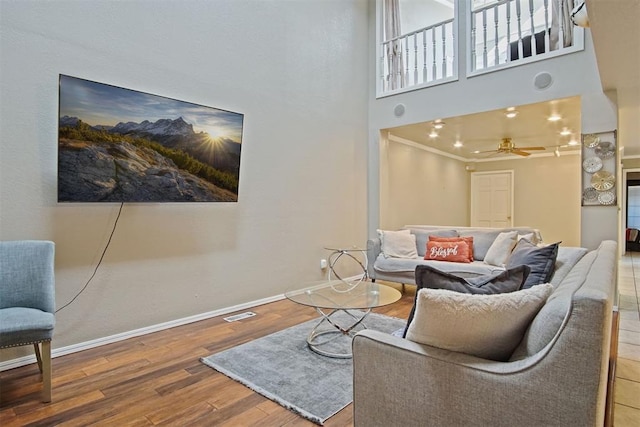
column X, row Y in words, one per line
column 74, row 348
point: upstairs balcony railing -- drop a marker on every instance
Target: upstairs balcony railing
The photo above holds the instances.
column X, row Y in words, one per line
column 419, row 58
column 502, row 34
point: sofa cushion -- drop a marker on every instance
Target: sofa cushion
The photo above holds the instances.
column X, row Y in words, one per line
column 398, row 244
column 482, row 240
column 422, row 237
column 494, row 283
column 566, row 259
column 486, row 326
column 397, row 265
column 457, row 251
column 467, row 239
column 548, row 321
column 501, row 248
column 542, row 260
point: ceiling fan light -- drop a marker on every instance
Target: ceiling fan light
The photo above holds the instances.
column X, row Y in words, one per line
column 554, row 118
column 565, row 132
column 511, row 114
column 557, row 152
column 433, row 134
column 438, row 125
column 457, row 144
column 573, row 142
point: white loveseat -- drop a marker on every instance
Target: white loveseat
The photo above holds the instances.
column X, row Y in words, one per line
column 402, row 270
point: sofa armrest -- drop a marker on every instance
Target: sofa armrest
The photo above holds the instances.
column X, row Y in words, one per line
column 374, row 248
column 399, row 382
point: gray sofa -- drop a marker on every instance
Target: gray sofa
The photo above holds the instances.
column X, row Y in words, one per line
column 557, row 375
column 401, row 270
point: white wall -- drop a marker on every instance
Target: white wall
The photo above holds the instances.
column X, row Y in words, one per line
column 547, row 194
column 420, row 187
column 294, row 68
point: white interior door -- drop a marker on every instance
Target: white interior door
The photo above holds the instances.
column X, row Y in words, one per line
column 492, row 199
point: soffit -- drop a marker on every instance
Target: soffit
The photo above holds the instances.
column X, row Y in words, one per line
column 484, row 131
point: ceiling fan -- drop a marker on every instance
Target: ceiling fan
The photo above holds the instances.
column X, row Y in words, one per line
column 506, row 146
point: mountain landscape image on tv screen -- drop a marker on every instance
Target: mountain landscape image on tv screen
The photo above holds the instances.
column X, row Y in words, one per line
column 121, row 145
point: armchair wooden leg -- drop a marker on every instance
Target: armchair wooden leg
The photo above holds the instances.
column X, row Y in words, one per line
column 46, row 371
column 36, row 349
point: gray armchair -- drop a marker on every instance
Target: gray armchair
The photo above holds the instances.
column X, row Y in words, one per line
column 27, row 300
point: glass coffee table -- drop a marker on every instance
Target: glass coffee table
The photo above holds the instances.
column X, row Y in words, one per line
column 344, row 309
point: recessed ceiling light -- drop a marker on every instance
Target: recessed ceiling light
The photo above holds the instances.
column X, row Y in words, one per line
column 476, row 152
column 554, row 118
column 433, row 134
column 457, row 144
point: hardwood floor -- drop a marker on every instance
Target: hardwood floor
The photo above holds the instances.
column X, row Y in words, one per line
column 158, row 379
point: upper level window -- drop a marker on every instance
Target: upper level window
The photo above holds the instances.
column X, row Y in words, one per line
column 507, row 30
column 418, row 39
column 418, row 43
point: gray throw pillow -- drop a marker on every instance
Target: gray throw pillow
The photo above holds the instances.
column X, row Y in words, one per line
column 541, row 260
column 509, row 280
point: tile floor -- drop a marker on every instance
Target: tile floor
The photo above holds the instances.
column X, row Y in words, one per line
column 627, row 388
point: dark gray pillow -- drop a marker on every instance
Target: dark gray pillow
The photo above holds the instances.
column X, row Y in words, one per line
column 541, row 260
column 509, row 280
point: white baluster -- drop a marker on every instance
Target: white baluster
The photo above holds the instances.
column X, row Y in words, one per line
column 406, row 51
column 520, row 54
column 495, row 39
column 534, row 50
column 561, row 22
column 547, row 42
column 433, row 52
column 473, row 43
column 425, row 77
column 508, row 4
column 453, row 47
column 415, row 58
column 391, row 84
column 444, row 51
column 484, row 38
column 382, row 66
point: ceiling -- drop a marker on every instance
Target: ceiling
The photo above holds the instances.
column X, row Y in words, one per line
column 616, row 37
column 484, row 131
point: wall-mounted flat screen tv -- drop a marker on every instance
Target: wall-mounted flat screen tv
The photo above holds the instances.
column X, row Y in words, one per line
column 121, row 145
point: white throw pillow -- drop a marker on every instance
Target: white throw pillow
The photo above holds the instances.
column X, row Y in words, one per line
column 398, row 244
column 486, row 326
column 529, row 236
column 501, row 248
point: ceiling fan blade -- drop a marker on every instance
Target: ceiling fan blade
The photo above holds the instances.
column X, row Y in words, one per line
column 520, row 152
column 488, row 151
column 531, row 148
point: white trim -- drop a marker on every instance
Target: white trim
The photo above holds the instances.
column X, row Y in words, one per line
column 74, row 348
column 413, row 144
column 400, row 140
column 631, row 157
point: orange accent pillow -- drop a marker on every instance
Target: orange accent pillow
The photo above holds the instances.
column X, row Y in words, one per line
column 468, row 239
column 448, row 251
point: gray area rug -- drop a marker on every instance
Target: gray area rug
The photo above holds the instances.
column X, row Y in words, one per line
column 282, row 368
